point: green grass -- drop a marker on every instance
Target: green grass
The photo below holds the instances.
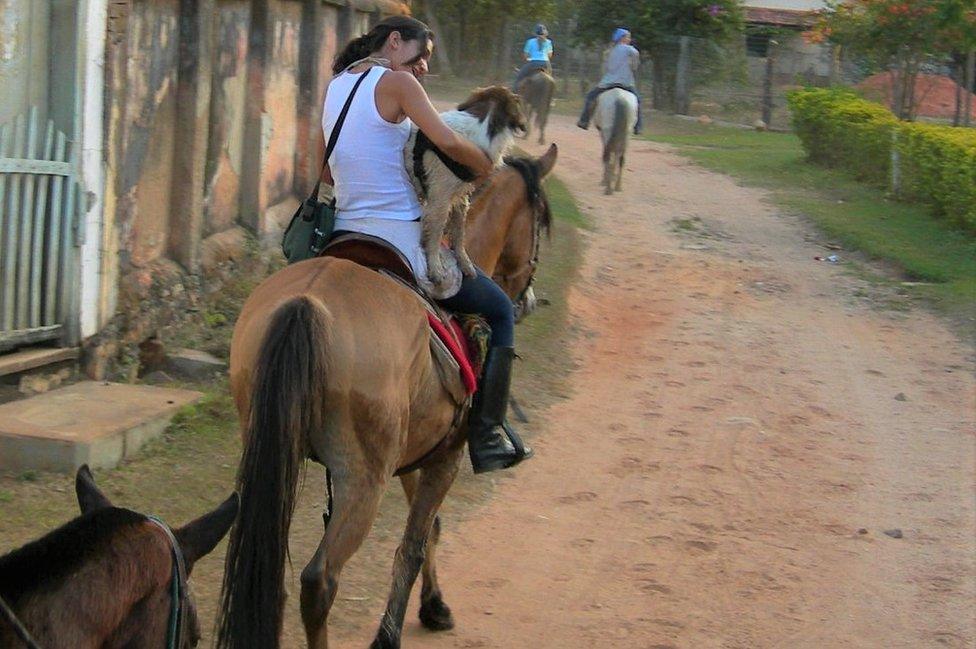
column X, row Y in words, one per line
column 860, row 217
column 563, row 205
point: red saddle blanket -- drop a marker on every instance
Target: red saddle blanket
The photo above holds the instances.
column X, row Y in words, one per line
column 456, row 342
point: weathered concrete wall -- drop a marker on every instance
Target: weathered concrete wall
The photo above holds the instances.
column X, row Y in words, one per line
column 23, row 57
column 228, row 96
column 212, row 130
column 281, row 101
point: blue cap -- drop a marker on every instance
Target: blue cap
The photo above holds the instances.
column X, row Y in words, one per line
column 541, row 30
column 619, row 33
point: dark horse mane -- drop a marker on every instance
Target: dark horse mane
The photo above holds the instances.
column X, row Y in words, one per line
column 535, row 192
column 46, row 562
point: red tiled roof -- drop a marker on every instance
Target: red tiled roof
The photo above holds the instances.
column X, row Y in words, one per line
column 784, row 17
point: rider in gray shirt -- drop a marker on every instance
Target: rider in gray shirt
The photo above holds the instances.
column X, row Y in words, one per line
column 619, row 64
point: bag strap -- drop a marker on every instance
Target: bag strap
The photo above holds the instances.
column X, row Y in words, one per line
column 314, row 196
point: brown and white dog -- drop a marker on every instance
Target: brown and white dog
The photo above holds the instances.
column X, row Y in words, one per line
column 491, row 117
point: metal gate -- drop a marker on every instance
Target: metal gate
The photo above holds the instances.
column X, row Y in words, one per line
column 40, row 234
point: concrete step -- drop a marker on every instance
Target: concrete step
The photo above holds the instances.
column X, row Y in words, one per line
column 91, row 422
column 34, row 357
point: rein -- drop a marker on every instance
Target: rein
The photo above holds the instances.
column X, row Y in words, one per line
column 534, row 262
column 178, row 589
column 19, row 630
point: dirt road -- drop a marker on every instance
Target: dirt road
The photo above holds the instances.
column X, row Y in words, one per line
column 750, row 457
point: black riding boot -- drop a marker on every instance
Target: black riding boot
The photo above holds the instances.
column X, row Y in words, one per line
column 492, row 443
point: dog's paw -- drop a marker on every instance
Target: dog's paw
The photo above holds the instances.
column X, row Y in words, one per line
column 467, row 268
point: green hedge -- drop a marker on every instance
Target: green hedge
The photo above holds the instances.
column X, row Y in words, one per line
column 937, row 163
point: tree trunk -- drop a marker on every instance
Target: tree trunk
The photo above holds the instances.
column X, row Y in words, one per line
column 767, row 100
column 441, row 55
column 504, row 68
column 463, row 62
column 970, row 77
column 957, row 114
column 835, row 59
column 682, row 100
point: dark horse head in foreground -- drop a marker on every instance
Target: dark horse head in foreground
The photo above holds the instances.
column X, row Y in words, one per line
column 109, row 578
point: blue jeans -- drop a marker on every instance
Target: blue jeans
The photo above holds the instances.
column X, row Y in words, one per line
column 528, row 68
column 481, row 295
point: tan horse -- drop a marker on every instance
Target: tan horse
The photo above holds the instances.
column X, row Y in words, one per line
column 330, row 360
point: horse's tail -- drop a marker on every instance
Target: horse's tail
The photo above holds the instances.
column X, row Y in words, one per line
column 618, row 132
column 287, row 402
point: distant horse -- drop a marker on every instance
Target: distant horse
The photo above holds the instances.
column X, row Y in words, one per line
column 536, row 92
column 109, row 578
column 331, row 361
column 616, row 114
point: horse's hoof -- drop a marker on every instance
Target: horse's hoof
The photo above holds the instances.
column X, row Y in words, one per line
column 435, row 615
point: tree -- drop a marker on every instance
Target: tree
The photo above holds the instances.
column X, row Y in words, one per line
column 659, row 29
column 474, row 33
column 898, row 36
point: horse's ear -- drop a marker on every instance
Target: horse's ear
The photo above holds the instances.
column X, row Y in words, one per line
column 548, row 161
column 90, row 497
column 199, row 537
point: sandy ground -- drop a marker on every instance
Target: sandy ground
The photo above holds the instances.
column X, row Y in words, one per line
column 741, row 435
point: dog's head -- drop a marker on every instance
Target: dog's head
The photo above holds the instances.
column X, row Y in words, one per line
column 500, row 106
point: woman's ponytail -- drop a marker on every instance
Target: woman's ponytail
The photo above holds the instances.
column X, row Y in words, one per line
column 410, row 29
column 356, row 49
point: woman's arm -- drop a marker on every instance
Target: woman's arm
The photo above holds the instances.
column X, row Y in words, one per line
column 415, row 104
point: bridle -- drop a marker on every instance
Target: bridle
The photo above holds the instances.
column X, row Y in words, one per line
column 525, row 301
column 19, row 630
column 179, row 591
column 175, row 628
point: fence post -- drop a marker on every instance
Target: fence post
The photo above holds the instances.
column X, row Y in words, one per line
column 895, row 164
column 969, row 78
column 767, row 100
column 682, row 103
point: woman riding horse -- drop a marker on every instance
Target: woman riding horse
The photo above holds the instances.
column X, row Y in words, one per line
column 620, row 63
column 375, row 196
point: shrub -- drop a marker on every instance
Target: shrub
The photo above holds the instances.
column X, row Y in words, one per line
column 937, row 164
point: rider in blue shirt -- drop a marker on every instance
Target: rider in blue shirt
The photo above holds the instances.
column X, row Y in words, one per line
column 536, row 53
column 619, row 65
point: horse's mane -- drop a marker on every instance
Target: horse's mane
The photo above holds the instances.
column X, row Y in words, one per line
column 47, row 561
column 535, row 193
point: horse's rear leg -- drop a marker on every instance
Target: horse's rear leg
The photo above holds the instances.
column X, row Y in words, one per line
column 434, row 613
column 435, row 481
column 620, row 173
column 353, row 506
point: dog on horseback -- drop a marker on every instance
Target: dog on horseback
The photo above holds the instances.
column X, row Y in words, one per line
column 490, row 118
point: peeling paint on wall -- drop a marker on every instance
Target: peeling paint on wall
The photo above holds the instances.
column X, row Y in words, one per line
column 281, row 102
column 149, row 116
column 227, row 104
column 9, row 30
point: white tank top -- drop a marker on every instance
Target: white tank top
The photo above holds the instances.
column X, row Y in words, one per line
column 367, row 162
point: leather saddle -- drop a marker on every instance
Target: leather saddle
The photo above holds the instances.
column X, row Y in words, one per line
column 372, row 252
column 449, row 348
